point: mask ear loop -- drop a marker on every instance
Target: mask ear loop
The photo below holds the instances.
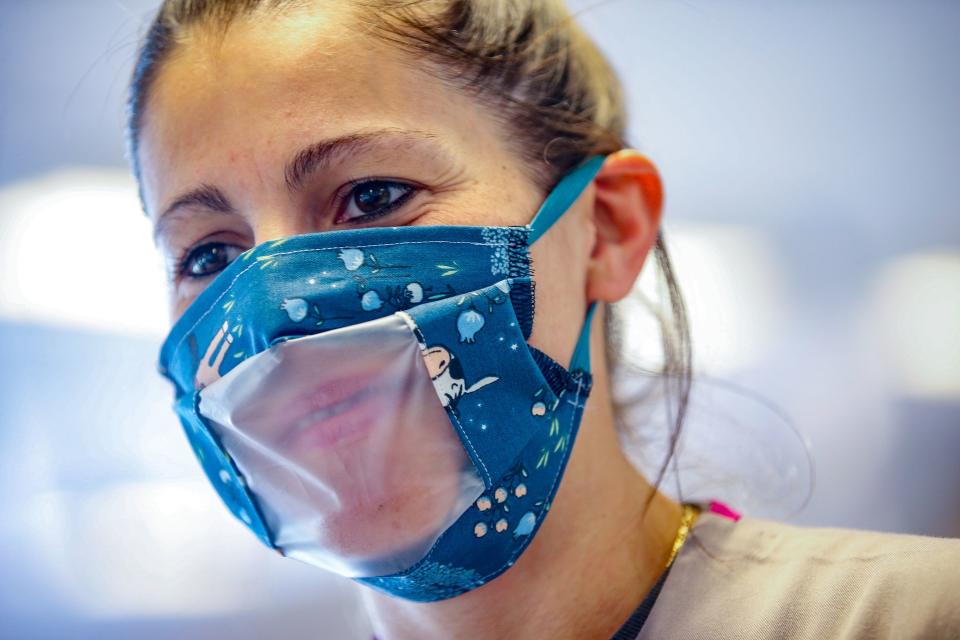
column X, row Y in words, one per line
column 581, row 353
column 556, row 204
column 563, row 195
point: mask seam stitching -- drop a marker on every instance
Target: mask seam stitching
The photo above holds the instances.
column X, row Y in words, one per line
column 488, row 480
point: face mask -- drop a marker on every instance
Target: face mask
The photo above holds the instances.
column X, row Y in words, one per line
column 366, row 401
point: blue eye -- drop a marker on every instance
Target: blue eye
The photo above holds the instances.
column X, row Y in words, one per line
column 371, row 199
column 208, row 259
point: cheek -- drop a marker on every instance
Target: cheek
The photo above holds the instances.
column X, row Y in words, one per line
column 176, row 304
column 173, row 307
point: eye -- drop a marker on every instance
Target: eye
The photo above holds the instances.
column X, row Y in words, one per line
column 371, row 199
column 208, row 259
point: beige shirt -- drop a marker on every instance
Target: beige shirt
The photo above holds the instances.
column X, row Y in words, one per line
column 761, row 579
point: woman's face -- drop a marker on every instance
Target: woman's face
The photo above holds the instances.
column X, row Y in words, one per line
column 300, row 123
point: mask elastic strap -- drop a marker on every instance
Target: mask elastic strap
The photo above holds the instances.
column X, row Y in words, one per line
column 556, row 204
column 581, row 353
column 563, row 195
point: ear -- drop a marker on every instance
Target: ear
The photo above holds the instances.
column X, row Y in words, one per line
column 629, row 200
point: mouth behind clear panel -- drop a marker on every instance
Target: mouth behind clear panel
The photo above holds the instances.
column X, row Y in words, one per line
column 345, row 445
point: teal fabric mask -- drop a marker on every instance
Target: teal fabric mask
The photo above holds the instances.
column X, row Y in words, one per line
column 366, row 400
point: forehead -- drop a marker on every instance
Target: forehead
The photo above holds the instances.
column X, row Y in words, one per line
column 226, row 106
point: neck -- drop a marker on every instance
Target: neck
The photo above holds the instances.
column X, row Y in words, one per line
column 602, row 548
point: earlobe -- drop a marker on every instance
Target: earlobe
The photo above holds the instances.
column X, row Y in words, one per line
column 629, row 199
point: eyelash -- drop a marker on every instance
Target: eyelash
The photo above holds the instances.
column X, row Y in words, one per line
column 184, row 262
column 354, row 188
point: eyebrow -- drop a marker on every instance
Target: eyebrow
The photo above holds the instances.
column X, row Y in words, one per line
column 315, row 157
column 320, row 155
column 206, row 196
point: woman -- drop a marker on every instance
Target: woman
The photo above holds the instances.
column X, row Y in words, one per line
column 350, row 195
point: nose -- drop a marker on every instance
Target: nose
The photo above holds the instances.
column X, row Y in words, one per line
column 278, row 223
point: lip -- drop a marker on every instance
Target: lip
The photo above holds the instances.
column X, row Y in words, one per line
column 319, row 398
column 335, row 426
column 329, row 415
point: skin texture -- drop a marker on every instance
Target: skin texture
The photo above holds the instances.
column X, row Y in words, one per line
column 230, row 111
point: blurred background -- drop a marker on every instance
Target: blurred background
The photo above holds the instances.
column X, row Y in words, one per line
column 809, row 152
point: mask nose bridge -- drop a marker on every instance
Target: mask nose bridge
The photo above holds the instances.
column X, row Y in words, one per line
column 280, row 225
